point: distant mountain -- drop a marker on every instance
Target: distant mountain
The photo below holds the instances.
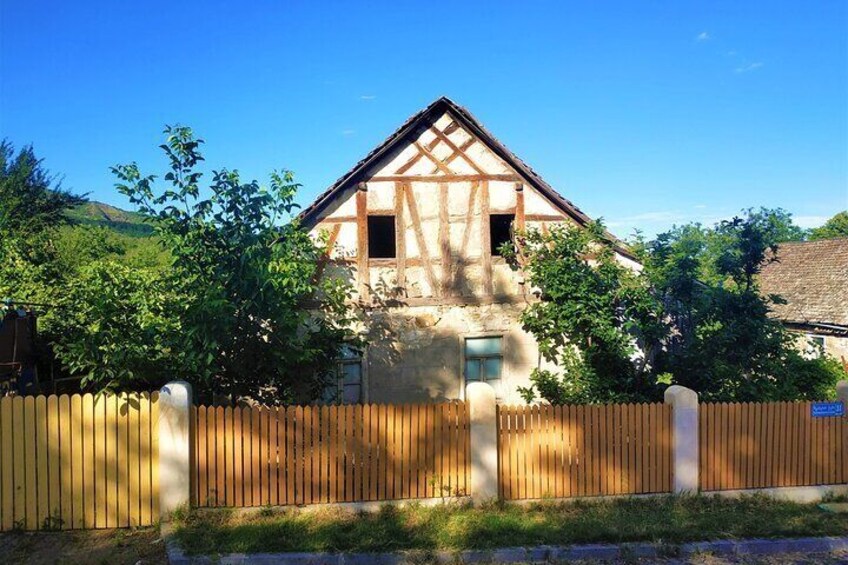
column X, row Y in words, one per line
column 95, row 213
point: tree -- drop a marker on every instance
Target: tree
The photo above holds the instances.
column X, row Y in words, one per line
column 31, row 199
column 592, row 314
column 837, row 226
column 725, row 345
column 255, row 318
column 777, row 223
column 693, row 316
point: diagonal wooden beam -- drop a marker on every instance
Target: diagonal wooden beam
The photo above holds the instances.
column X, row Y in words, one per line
column 439, row 165
column 452, row 127
column 417, row 157
column 422, row 243
column 456, row 150
column 325, row 258
column 469, row 216
column 462, row 148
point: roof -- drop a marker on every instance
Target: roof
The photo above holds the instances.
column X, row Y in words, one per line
column 425, row 118
column 812, row 276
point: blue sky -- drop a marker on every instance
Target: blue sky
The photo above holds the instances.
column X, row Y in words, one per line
column 644, row 113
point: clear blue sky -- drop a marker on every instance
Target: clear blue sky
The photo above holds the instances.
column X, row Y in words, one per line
column 645, row 113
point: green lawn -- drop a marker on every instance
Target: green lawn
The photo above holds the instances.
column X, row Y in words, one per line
column 666, row 519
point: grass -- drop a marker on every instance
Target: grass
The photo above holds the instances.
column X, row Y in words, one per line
column 450, row 527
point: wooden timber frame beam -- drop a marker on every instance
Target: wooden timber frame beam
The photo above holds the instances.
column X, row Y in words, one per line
column 519, row 206
column 457, row 152
column 440, row 178
column 485, row 239
column 400, row 234
column 519, row 227
column 433, row 159
column 421, row 241
column 362, row 269
column 327, row 256
column 444, row 239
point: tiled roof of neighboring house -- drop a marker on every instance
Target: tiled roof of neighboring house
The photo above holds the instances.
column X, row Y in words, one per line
column 812, row 276
column 426, row 117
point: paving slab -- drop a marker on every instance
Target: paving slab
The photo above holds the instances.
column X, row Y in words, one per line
column 538, row 554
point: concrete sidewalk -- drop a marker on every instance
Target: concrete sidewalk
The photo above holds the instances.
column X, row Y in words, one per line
column 541, row 554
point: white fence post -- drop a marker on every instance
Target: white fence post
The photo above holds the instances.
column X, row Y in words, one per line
column 174, row 448
column 842, row 393
column 684, row 417
column 483, row 442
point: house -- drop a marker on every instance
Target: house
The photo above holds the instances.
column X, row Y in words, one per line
column 417, row 225
column 812, row 277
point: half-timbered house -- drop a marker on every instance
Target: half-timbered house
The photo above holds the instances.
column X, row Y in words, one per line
column 417, row 224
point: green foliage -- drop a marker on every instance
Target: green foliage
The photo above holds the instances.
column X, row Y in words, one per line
column 255, row 318
column 220, row 291
column 837, row 226
column 31, row 200
column 725, row 345
column 694, row 316
column 592, row 315
column 118, row 326
column 97, row 284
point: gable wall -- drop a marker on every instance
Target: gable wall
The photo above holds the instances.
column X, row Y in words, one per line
column 441, row 193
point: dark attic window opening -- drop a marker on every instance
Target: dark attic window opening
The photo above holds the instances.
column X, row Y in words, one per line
column 499, row 231
column 381, row 237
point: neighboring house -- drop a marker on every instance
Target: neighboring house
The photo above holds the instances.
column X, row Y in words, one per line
column 812, row 277
column 417, row 225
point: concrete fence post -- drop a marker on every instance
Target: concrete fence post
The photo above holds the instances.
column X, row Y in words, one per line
column 175, row 400
column 483, row 442
column 684, row 417
column 842, row 393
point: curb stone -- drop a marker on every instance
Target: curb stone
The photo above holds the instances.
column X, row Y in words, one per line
column 538, row 554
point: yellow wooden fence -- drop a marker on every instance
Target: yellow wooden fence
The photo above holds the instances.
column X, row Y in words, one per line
column 566, row 451
column 773, row 444
column 80, row 461
column 323, row 454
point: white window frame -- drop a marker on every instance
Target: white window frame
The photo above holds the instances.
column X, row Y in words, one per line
column 463, row 358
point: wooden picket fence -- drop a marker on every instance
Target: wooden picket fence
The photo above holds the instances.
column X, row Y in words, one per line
column 775, row 444
column 253, row 456
column 79, row 461
column 565, row 451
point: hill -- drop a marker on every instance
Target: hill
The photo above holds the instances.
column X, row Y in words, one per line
column 95, row 213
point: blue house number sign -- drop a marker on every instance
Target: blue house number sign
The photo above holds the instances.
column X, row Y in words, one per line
column 827, row 409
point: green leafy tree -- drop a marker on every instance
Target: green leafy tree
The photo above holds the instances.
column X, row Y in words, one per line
column 118, row 327
column 596, row 319
column 85, row 280
column 693, row 316
column 32, row 208
column 31, row 199
column 255, row 318
column 837, row 226
column 725, row 345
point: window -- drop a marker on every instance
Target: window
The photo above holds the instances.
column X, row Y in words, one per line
column 483, row 359
column 347, row 389
column 381, row 237
column 499, row 231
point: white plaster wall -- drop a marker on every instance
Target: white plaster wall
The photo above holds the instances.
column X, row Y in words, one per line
column 415, row 354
